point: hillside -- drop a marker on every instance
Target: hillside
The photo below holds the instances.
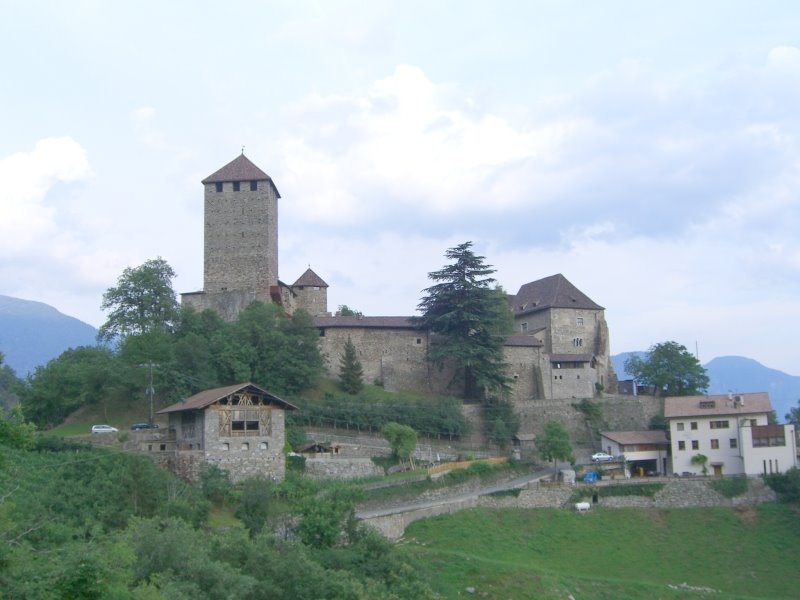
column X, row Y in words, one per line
column 739, row 374
column 32, row 333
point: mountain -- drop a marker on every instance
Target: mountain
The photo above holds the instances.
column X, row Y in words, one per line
column 738, row 374
column 32, row 333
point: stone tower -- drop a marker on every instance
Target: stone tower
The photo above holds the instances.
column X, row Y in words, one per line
column 240, row 239
column 241, row 229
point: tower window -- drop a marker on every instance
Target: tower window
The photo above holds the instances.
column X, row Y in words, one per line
column 235, row 186
column 253, row 186
column 579, row 321
column 218, row 186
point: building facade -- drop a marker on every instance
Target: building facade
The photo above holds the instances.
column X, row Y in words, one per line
column 239, row 428
column 731, row 431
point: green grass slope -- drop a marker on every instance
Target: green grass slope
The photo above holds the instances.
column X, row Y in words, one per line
column 612, row 554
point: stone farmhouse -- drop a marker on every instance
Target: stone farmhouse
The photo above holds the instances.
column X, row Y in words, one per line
column 239, row 428
column 732, row 431
column 560, row 350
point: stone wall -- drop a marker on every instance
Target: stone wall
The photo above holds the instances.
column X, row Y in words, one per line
column 341, row 468
column 248, row 456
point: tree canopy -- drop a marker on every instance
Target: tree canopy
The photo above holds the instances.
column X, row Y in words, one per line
column 671, row 369
column 142, row 300
column 554, row 444
column 472, row 319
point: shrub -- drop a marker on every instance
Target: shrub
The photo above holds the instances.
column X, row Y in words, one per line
column 730, row 487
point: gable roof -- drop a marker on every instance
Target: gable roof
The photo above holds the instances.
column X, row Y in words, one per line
column 716, row 404
column 309, row 278
column 656, row 436
column 209, row 397
column 551, row 292
column 240, row 168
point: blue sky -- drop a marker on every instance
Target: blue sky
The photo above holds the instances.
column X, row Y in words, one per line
column 646, row 150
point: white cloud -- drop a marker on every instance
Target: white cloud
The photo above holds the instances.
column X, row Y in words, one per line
column 29, row 222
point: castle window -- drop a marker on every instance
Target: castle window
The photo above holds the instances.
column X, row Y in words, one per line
column 579, row 321
column 577, row 342
column 236, row 186
column 218, row 186
column 419, row 341
column 253, row 186
column 523, row 327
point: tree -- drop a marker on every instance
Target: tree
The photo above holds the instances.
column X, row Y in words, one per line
column 143, row 300
column 472, row 319
column 346, row 311
column 793, row 416
column 402, row 439
column 351, row 374
column 671, row 369
column 554, row 444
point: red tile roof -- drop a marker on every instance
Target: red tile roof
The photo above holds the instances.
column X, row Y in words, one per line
column 240, row 168
column 310, row 279
column 208, row 397
column 551, row 292
column 717, row 404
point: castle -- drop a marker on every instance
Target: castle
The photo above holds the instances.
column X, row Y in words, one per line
column 560, row 348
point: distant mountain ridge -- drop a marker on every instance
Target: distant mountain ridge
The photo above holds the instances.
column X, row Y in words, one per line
column 738, row 374
column 32, row 333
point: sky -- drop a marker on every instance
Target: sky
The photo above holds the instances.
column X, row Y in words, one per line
column 648, row 151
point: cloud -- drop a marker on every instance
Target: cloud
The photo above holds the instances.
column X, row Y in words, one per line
column 29, row 222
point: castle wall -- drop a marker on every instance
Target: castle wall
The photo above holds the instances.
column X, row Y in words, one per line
column 227, row 304
column 241, row 238
column 395, row 357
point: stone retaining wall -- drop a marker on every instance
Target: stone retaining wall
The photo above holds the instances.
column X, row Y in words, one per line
column 341, row 468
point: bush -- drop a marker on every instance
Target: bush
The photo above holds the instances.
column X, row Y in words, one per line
column 786, row 485
column 730, row 487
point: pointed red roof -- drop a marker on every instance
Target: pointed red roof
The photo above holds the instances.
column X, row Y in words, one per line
column 308, row 279
column 551, row 292
column 240, row 168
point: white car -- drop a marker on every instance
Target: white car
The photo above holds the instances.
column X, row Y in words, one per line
column 104, row 429
column 601, row 457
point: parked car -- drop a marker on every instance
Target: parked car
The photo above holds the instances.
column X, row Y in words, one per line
column 601, row 457
column 104, row 429
column 144, row 425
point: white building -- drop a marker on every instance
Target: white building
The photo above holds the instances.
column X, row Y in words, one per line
column 732, row 431
column 644, row 451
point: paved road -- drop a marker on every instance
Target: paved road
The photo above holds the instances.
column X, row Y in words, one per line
column 511, row 484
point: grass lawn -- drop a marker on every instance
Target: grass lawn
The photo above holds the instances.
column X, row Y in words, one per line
column 612, row 553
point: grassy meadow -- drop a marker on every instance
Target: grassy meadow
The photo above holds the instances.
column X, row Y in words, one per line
column 612, row 554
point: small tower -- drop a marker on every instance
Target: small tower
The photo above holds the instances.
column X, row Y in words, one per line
column 241, row 230
column 311, row 294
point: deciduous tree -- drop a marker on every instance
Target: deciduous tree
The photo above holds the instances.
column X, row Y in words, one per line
column 471, row 318
column 554, row 444
column 402, row 439
column 142, row 300
column 671, row 369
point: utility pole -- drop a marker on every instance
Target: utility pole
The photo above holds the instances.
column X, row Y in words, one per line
column 150, row 391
